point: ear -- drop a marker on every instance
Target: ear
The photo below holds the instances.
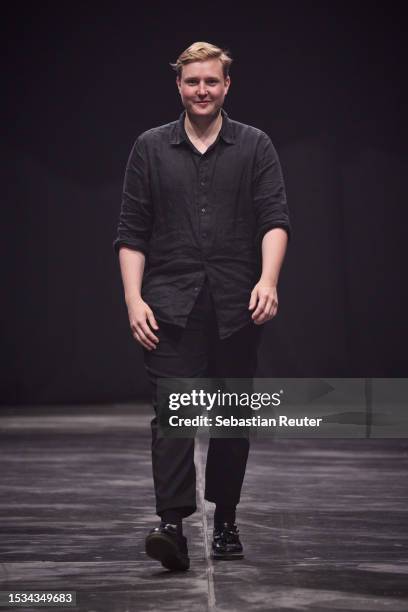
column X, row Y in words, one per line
column 227, row 83
column 178, row 83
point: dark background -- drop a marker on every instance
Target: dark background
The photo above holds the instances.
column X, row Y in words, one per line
column 325, row 80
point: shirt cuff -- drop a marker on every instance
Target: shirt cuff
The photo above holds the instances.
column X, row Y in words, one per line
column 282, row 224
column 136, row 245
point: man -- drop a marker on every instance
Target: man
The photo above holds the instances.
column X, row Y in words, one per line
column 201, row 239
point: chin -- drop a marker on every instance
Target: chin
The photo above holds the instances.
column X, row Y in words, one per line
column 194, row 110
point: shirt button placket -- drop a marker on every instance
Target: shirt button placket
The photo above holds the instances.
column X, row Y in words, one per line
column 202, row 202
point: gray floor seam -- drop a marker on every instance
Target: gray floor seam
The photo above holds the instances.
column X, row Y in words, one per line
column 200, row 487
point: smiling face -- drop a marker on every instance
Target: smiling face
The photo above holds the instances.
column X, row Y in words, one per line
column 202, row 87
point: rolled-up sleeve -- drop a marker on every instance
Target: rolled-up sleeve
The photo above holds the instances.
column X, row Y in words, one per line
column 136, row 215
column 269, row 192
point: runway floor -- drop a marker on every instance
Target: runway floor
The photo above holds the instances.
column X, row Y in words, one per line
column 324, row 523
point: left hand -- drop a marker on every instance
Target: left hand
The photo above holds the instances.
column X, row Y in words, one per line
column 265, row 297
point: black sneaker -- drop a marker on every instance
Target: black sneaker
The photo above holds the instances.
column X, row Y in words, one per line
column 167, row 545
column 226, row 543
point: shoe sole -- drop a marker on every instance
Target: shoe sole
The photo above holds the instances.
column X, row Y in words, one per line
column 163, row 549
column 226, row 556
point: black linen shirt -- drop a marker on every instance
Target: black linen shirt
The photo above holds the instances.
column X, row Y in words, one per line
column 195, row 215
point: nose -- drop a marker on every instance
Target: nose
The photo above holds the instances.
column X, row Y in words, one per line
column 201, row 89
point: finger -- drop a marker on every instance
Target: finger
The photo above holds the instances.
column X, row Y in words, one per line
column 143, row 339
column 274, row 311
column 148, row 332
column 140, row 341
column 266, row 314
column 252, row 301
column 152, row 320
column 260, row 308
column 261, row 319
column 274, row 307
column 269, row 308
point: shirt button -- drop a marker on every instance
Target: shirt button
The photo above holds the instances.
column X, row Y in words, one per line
column 203, row 210
column 196, row 288
column 203, row 182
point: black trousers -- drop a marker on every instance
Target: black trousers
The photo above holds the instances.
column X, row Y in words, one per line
column 196, row 351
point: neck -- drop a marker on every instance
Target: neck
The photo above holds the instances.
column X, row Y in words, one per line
column 203, row 127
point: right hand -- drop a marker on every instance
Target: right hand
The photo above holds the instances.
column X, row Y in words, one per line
column 140, row 314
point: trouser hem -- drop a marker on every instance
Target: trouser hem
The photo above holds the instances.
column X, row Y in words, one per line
column 221, row 502
column 186, row 509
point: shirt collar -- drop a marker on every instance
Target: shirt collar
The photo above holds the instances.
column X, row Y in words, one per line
column 178, row 133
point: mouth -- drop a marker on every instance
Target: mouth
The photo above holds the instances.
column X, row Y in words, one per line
column 203, row 102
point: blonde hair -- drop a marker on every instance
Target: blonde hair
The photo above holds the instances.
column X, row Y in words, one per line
column 201, row 51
